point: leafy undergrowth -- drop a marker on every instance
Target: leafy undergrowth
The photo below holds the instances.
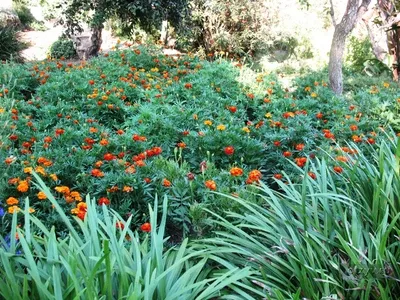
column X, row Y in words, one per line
column 133, row 124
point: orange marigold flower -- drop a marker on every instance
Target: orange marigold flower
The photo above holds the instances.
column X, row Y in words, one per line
column 103, row 142
column 104, row 201
column 299, row 147
column 23, row 186
column 232, row 109
column 312, row 175
column 208, row 122
column 53, row 177
column 229, row 150
column 9, row 160
column 147, row 180
column 59, row 131
column 13, row 209
column 210, row 184
column 146, row 227
column 236, row 171
column 278, row 176
column 181, row 145
column 109, row 156
column 166, row 183
column 41, row 195
column 287, row 154
column 254, row 175
column 76, row 196
column 301, row 161
column 338, row 169
column 342, row 158
column 40, row 170
column 28, row 170
column 130, row 170
column 12, row 201
column 353, row 127
column 97, row 173
column 127, row 189
column 63, row 189
column 188, row 85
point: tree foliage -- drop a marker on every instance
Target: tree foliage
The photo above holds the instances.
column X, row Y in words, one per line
column 147, row 14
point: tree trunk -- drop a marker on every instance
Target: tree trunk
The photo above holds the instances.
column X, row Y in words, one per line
column 377, row 35
column 353, row 12
column 96, row 41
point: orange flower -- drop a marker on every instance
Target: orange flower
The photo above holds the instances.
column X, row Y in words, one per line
column 166, row 183
column 109, row 157
column 235, row 171
column 80, row 210
column 97, row 173
column 338, row 169
column 299, row 147
column 146, row 227
column 130, row 170
column 53, row 177
column 12, row 201
column 13, row 209
column 103, row 201
column 23, row 186
column 41, row 195
column 59, row 131
column 188, row 85
column 254, row 175
column 287, row 154
column 210, row 184
column 353, row 127
column 278, row 176
column 103, row 142
column 232, row 109
column 76, row 196
column 63, row 189
column 229, row 150
column 301, row 161
column 181, row 145
column 312, row 175
column 342, row 158
column 127, row 189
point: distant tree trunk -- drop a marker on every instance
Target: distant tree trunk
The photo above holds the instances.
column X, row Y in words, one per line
column 96, row 41
column 384, row 34
column 353, row 12
column 164, row 32
column 377, row 35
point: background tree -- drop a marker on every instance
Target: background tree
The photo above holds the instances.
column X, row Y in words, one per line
column 147, row 14
column 354, row 11
column 382, row 22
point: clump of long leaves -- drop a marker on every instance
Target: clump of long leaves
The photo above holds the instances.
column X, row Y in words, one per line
column 335, row 237
column 99, row 260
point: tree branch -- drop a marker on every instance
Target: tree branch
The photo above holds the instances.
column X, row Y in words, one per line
column 332, row 13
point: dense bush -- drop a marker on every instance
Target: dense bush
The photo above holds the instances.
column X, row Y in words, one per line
column 135, row 123
column 63, row 48
column 10, row 47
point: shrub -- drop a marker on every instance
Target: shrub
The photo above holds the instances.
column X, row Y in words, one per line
column 24, row 14
column 63, row 48
column 10, row 47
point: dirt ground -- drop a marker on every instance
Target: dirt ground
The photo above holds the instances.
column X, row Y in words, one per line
column 40, row 42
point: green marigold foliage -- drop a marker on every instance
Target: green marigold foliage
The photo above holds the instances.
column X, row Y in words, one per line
column 134, row 123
